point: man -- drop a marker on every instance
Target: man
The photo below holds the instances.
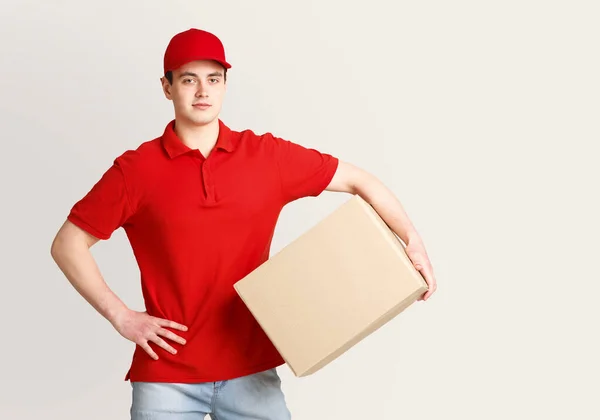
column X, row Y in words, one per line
column 199, row 205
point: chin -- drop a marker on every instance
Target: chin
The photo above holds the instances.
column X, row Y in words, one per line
column 201, row 120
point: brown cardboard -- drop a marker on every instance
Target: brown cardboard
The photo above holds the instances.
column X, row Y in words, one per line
column 332, row 287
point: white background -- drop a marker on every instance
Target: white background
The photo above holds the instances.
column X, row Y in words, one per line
column 482, row 116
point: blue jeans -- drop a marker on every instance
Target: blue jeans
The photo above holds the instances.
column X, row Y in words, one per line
column 257, row 396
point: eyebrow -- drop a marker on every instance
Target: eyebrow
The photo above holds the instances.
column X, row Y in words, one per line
column 189, row 73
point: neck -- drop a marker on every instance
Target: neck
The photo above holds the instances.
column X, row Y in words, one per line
column 201, row 137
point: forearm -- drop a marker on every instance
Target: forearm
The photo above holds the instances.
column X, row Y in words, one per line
column 387, row 206
column 73, row 257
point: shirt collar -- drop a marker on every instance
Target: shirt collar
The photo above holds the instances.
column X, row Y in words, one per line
column 175, row 147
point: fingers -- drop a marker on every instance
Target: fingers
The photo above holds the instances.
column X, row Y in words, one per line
column 154, row 329
column 171, row 324
column 148, row 349
column 162, row 343
column 170, row 335
column 427, row 273
column 432, row 289
column 420, row 261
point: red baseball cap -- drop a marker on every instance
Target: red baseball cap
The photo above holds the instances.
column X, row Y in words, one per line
column 191, row 45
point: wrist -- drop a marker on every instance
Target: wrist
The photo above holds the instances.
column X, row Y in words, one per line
column 413, row 238
column 117, row 313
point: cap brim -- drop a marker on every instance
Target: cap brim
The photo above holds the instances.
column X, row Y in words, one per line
column 175, row 66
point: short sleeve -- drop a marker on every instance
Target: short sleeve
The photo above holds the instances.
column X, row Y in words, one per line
column 106, row 207
column 304, row 172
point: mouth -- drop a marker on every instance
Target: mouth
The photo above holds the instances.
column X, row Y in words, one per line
column 201, row 105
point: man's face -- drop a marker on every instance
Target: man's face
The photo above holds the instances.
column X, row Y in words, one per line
column 197, row 91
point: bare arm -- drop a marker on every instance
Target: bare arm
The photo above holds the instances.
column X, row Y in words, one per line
column 351, row 179
column 71, row 252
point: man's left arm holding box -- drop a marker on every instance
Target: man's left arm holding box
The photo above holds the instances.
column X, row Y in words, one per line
column 354, row 180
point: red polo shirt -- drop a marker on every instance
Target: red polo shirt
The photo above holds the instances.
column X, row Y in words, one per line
column 196, row 226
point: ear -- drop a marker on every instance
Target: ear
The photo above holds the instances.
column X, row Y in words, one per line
column 166, row 87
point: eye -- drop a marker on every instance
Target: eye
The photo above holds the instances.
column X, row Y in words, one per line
column 188, row 80
column 213, row 80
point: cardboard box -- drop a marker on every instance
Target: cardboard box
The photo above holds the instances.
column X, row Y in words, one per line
column 332, row 287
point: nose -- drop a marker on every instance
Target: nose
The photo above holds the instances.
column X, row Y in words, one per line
column 201, row 91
